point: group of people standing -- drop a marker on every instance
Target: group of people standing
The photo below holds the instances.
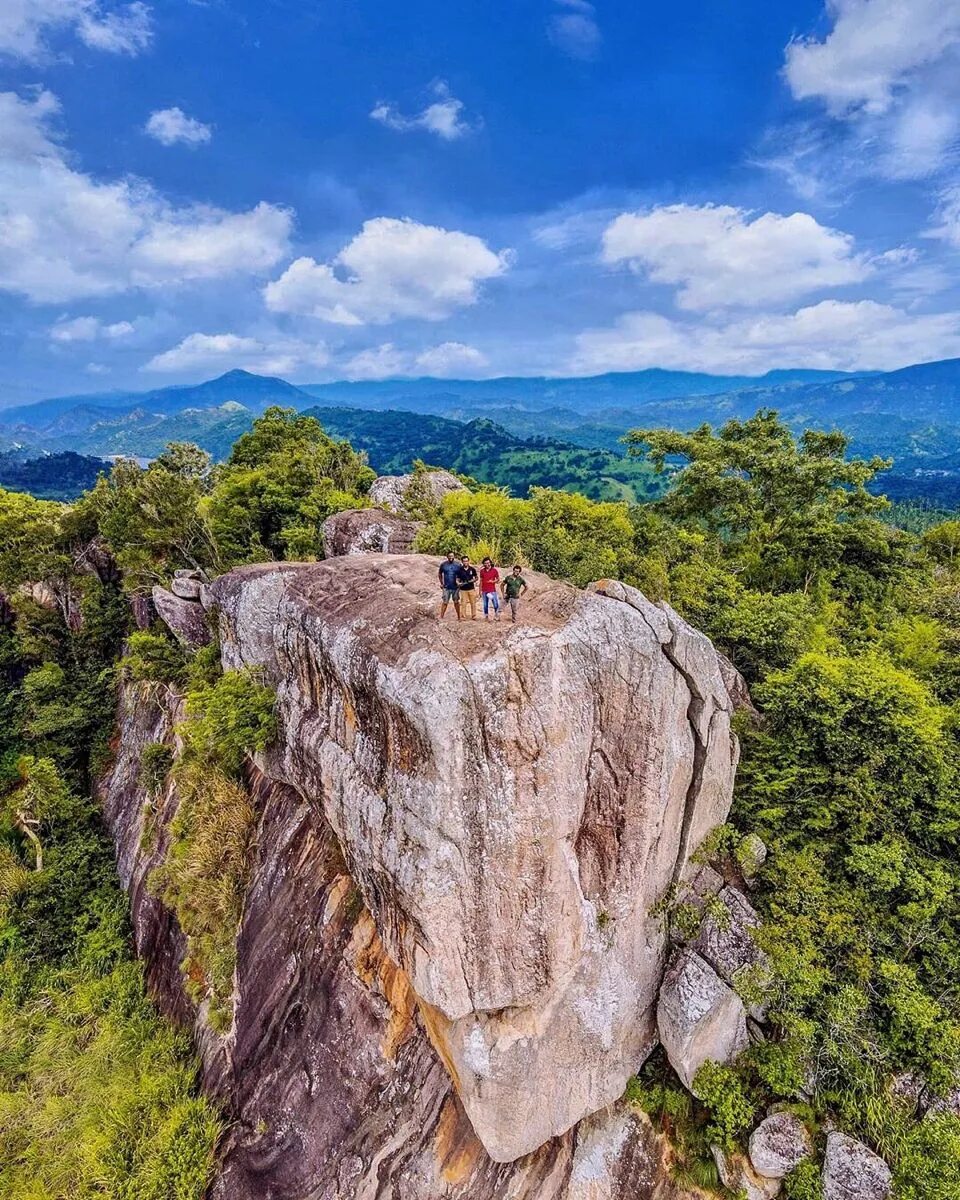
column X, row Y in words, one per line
column 459, row 580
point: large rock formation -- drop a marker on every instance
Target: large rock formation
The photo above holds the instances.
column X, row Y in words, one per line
column 393, row 492
column 367, row 531
column 448, row 965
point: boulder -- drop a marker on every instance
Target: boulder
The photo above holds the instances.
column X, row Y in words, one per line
column 699, row 1018
column 187, row 583
column 185, row 619
column 186, row 588
column 908, row 1089
column 851, row 1171
column 778, row 1144
column 391, row 491
column 738, row 1176
column 950, row 1104
column 510, row 805
column 728, row 944
column 367, row 531
column 142, row 608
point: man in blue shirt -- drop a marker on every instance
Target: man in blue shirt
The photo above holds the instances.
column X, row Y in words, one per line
column 449, row 584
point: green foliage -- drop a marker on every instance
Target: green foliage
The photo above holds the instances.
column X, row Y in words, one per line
column 788, row 510
column 281, row 482
column 803, row 1183
column 154, row 657
column 152, row 517
column 203, row 877
column 155, row 763
column 721, row 1090
column 31, row 540
column 97, row 1094
column 228, row 719
column 63, row 476
column 563, row 535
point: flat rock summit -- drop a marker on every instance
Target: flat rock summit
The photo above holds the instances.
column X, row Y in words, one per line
column 449, row 959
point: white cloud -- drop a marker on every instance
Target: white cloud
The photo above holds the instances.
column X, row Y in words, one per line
column 392, row 268
column 226, row 351
column 378, row 362
column 873, row 47
column 116, row 29
column 573, row 29
column 65, row 235
column 948, row 217
column 88, row 329
column 890, row 71
column 443, row 117
column 719, row 257
column 451, row 360
column 834, row 335
column 172, row 125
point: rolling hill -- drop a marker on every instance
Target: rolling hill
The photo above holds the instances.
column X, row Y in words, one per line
column 912, row 415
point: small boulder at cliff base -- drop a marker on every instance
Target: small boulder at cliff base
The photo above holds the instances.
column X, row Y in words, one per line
column 778, row 1144
column 185, row 619
column 851, row 1171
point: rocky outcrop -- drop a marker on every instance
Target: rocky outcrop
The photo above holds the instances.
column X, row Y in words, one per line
column 394, row 492
column 187, row 583
column 699, row 1018
column 367, row 531
column 185, row 619
column 727, row 942
column 448, row 965
column 851, row 1171
column 778, row 1144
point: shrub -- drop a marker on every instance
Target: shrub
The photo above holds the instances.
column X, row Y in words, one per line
column 153, row 658
column 228, row 719
column 731, row 1111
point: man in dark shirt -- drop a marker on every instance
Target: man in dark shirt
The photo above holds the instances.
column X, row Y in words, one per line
column 467, row 583
column 449, row 587
column 513, row 588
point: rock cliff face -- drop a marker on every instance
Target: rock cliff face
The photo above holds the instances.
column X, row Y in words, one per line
column 448, row 966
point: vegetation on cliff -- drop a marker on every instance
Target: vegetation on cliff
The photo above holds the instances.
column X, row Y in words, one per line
column 97, row 1094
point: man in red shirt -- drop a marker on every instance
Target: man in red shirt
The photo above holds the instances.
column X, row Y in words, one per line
column 489, row 581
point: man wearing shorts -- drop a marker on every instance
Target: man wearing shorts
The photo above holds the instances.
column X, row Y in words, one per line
column 449, row 587
column 467, row 582
column 489, row 579
column 513, row 588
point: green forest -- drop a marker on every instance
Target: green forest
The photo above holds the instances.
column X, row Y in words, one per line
column 846, row 627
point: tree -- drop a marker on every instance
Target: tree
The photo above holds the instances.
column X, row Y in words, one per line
column 151, row 516
column 282, row 480
column 788, row 511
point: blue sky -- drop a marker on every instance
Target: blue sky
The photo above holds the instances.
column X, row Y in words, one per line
column 360, row 190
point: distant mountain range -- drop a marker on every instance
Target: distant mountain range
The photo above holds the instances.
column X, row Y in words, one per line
column 912, row 415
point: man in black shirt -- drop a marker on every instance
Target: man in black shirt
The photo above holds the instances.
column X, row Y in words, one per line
column 467, row 583
column 447, row 577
